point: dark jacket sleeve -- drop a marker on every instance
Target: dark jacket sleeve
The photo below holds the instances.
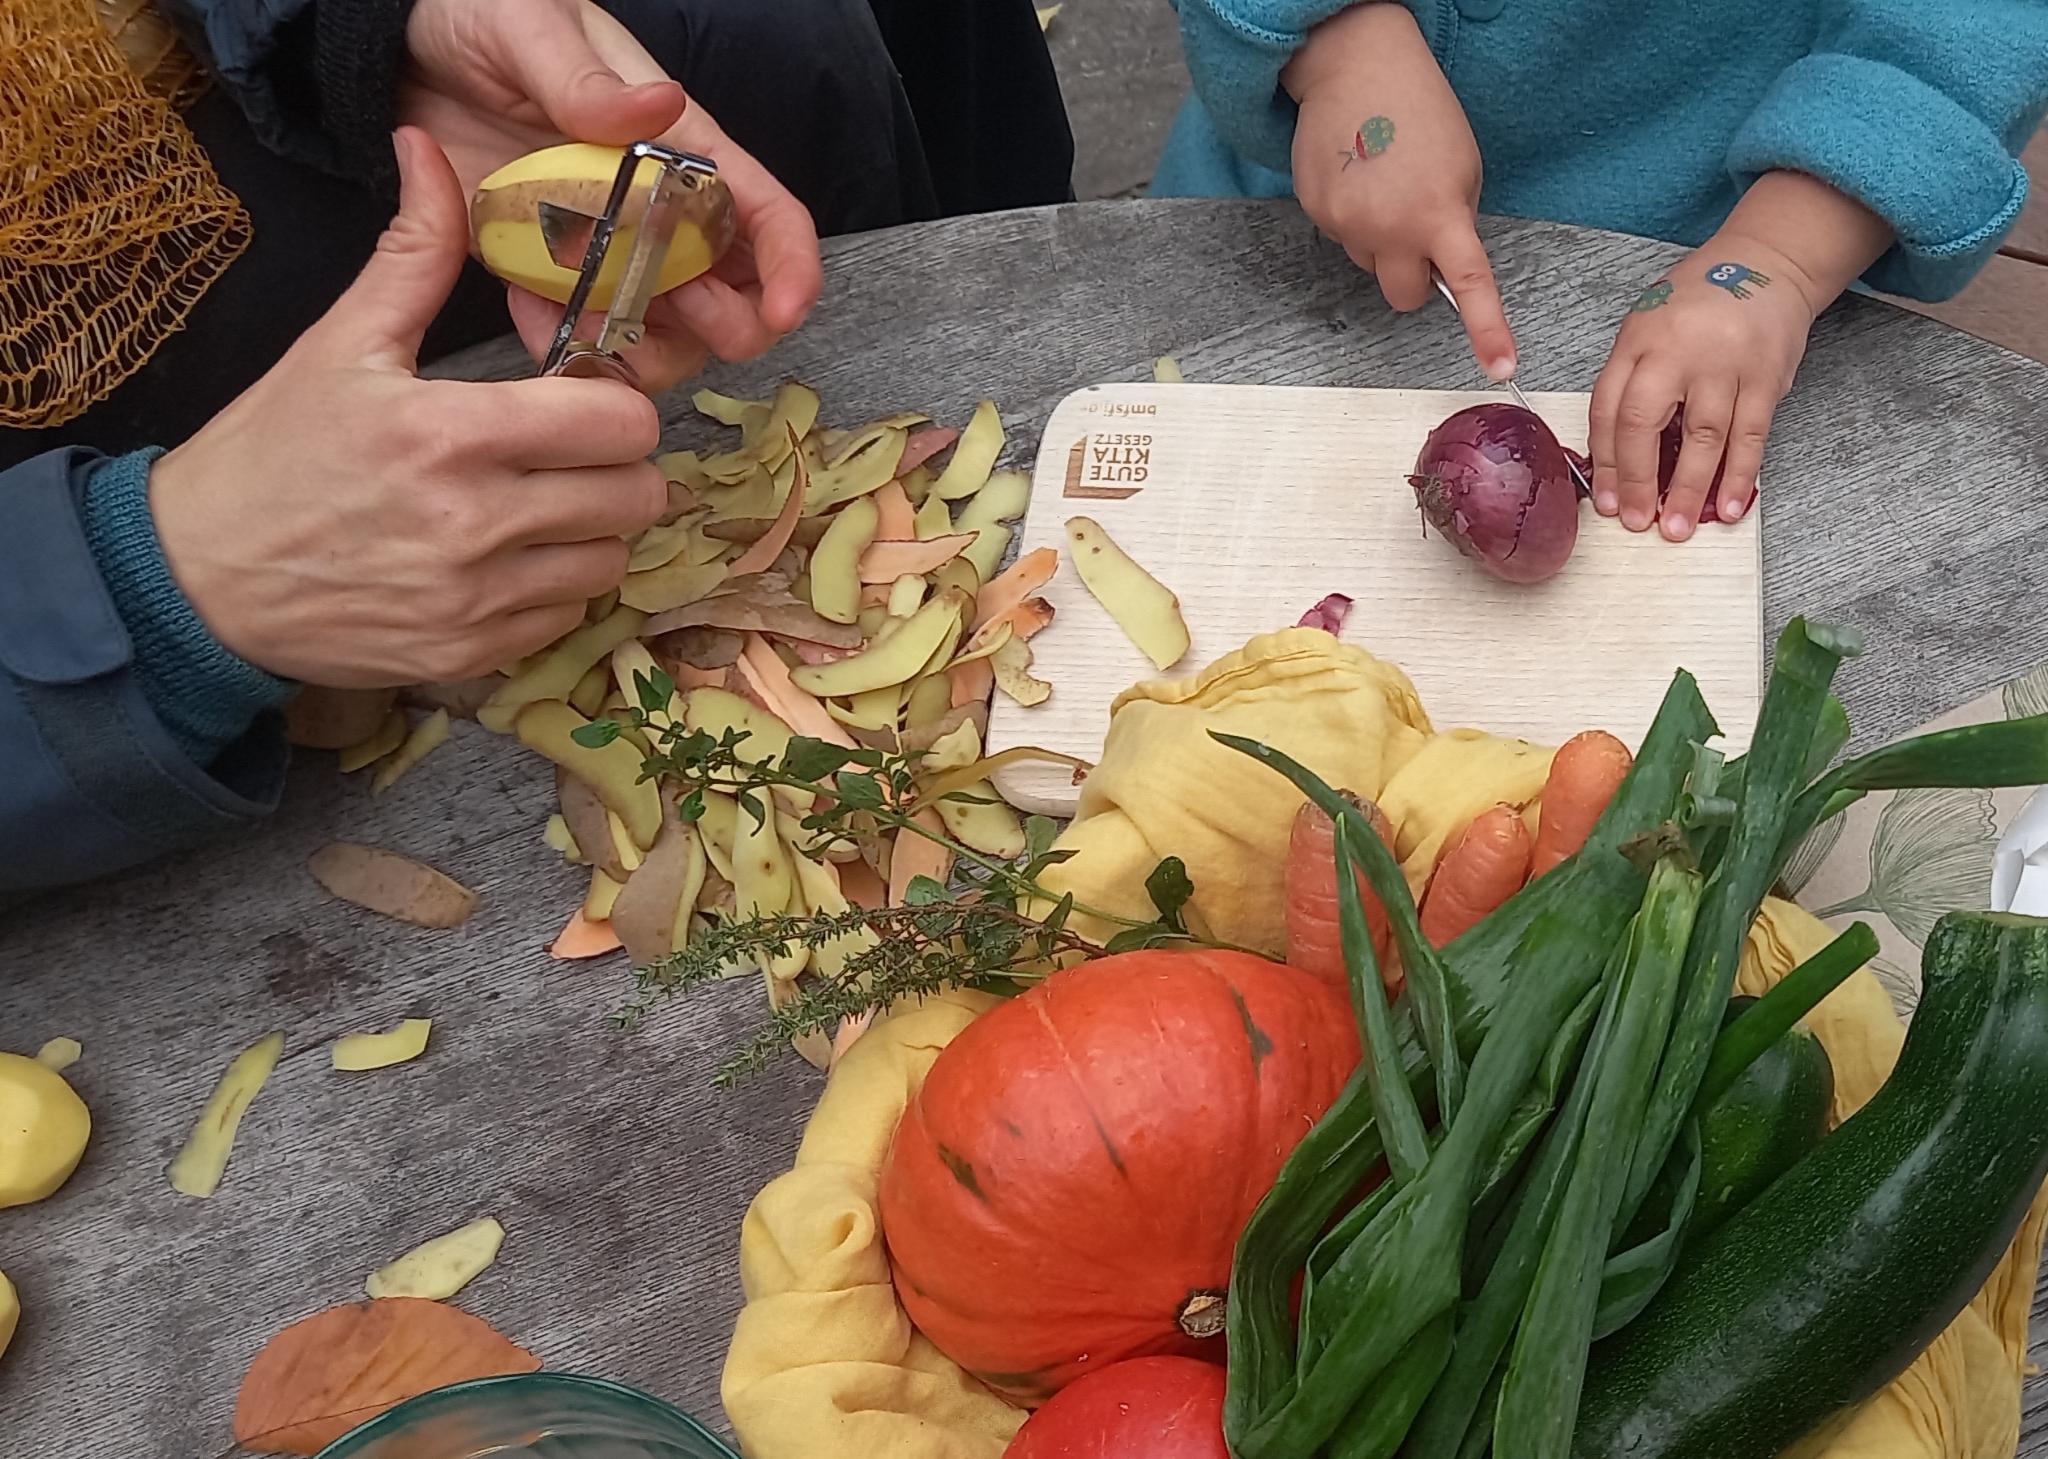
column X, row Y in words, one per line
column 317, row 79
column 91, row 780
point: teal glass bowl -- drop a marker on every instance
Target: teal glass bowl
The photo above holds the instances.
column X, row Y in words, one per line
column 531, row 1416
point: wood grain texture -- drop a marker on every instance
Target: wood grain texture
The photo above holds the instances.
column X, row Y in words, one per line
column 1251, row 502
column 1909, row 484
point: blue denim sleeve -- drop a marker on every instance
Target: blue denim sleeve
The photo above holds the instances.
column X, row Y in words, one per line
column 1919, row 112
column 100, row 776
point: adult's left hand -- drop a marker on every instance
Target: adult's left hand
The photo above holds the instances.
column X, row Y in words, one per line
column 492, row 80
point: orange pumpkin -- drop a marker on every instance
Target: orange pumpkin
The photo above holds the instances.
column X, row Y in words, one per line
column 1067, row 1188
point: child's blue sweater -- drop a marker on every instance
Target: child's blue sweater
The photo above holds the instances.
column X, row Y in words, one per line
column 1651, row 116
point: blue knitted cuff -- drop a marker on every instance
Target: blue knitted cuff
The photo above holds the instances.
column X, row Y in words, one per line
column 204, row 694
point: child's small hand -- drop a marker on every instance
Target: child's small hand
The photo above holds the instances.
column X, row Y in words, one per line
column 1385, row 163
column 1722, row 335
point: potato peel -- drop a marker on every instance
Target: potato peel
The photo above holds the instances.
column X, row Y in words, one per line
column 392, row 885
column 358, row 1053
column 198, row 1168
column 1011, row 667
column 427, row 736
column 974, row 456
column 365, row 752
column 1142, row 606
column 60, row 1054
column 438, row 1269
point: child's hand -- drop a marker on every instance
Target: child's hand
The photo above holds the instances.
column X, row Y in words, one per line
column 1385, row 164
column 1721, row 334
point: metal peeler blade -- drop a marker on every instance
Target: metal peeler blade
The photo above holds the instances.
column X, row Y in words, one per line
column 562, row 229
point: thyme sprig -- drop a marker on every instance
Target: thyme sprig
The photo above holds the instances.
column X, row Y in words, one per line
column 981, row 933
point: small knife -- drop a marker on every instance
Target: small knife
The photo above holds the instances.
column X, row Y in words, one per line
column 577, row 240
column 1570, row 460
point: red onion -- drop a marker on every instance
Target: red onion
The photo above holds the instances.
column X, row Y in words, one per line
column 1495, row 482
column 1667, row 462
column 1668, row 445
column 1328, row 615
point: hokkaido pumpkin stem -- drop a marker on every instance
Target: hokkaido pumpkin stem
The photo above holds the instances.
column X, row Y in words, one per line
column 1204, row 1313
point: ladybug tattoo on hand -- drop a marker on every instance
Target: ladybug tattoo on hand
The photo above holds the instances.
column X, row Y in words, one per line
column 1373, row 137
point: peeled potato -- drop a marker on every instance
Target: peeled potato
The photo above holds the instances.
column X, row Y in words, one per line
column 505, row 220
column 43, row 1129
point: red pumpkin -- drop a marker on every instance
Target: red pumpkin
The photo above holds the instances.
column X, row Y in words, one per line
column 1068, row 1186
column 1148, row 1408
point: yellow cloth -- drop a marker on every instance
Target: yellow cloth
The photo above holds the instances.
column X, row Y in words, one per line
column 824, row 1360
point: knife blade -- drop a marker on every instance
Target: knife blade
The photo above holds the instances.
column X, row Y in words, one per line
column 1570, row 461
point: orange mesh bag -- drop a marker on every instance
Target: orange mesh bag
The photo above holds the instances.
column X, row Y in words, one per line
column 113, row 222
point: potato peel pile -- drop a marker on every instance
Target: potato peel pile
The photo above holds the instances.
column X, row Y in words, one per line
column 840, row 585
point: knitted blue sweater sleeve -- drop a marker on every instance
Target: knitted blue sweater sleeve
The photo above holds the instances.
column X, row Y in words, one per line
column 1918, row 110
column 1236, row 50
column 205, row 695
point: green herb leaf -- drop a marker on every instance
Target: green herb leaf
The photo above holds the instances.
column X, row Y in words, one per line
column 654, row 690
column 857, row 792
column 1039, row 834
column 751, row 804
column 595, row 735
column 923, row 891
column 692, row 807
column 1170, row 890
column 813, row 760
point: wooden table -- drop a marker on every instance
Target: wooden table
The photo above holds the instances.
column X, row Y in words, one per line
column 1907, row 475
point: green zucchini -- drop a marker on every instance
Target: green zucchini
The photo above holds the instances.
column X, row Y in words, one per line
column 1770, row 1119
column 1827, row 1286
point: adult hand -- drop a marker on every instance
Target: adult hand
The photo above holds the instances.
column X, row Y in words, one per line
column 492, row 80
column 347, row 523
column 1385, row 164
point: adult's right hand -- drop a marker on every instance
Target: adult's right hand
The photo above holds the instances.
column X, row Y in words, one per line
column 347, row 523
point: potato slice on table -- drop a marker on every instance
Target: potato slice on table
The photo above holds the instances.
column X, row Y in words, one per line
column 198, row 1169
column 440, row 1268
column 358, row 1053
column 1142, row 606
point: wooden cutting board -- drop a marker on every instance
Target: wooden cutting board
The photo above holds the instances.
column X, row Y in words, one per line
column 1252, row 502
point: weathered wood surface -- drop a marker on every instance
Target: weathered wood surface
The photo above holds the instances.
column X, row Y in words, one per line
column 1909, row 479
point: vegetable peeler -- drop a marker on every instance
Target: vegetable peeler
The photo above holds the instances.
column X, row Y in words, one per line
column 576, row 240
column 1570, row 460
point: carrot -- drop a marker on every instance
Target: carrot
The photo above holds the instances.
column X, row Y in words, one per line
column 1586, row 772
column 1485, row 866
column 1313, row 942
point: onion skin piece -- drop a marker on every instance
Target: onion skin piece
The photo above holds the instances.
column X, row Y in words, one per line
column 1328, row 615
column 1495, row 482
